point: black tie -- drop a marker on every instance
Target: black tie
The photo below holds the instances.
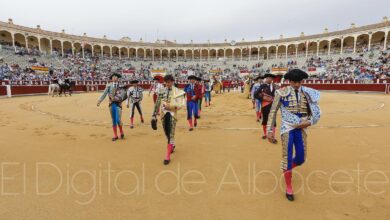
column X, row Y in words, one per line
column 296, row 95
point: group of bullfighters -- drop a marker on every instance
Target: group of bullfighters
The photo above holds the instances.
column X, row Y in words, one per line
column 298, row 106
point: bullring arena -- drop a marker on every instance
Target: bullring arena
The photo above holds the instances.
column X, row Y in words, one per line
column 72, row 139
column 59, row 159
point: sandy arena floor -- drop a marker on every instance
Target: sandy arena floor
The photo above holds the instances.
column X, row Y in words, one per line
column 58, row 162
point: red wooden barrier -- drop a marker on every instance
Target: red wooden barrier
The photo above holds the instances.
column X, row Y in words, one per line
column 3, row 90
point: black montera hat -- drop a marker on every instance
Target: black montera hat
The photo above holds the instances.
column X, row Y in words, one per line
column 296, row 75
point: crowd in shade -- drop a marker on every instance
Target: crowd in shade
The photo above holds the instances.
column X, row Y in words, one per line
column 17, row 65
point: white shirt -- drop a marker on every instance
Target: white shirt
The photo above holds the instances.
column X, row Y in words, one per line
column 157, row 88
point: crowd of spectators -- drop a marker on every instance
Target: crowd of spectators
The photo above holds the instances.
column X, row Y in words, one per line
column 100, row 68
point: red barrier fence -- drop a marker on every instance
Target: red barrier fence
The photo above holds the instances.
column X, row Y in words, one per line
column 350, row 87
column 3, row 90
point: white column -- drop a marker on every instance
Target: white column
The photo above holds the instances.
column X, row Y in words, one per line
column 72, row 48
column 286, row 51
column 318, row 48
column 39, row 45
column 25, row 37
column 241, row 54
column 102, row 47
column 93, row 53
column 224, row 54
column 342, row 45
column 277, row 51
column 82, row 50
column 258, row 54
column 267, row 58
column 329, row 46
column 307, row 48
column 144, row 54
column 354, row 44
column 51, row 47
column 13, row 41
column 296, row 51
column 369, row 42
column 111, row 52
column 128, row 53
column 177, row 55
column 153, row 55
column 385, row 44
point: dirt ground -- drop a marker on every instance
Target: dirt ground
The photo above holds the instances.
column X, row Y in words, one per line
column 58, row 162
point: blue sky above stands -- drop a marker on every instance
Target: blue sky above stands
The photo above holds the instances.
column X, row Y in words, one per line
column 198, row 20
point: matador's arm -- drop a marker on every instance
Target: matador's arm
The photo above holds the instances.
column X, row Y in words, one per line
column 273, row 112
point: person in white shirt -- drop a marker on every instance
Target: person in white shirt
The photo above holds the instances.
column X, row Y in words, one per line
column 170, row 100
column 155, row 88
column 134, row 99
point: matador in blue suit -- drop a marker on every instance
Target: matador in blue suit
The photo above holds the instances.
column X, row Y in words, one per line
column 299, row 108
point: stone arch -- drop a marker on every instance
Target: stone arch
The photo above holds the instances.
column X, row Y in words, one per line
column 6, row 38
column 165, row 54
column 57, row 46
column 20, row 40
column 148, row 54
column 220, row 53
column 172, row 54
column 180, row 54
column 124, row 52
column 197, row 54
column 45, row 45
column 33, row 42
column 263, row 53
column 282, row 51
column 229, row 53
column 97, row 50
column 272, row 52
column 205, row 54
column 106, row 51
column 302, row 49
column 140, row 53
column 378, row 40
column 87, row 49
column 213, row 54
column 67, row 47
column 335, row 46
column 237, row 54
column 362, row 42
column 77, row 48
column 254, row 53
column 115, row 51
column 133, row 53
column 189, row 54
column 157, row 54
column 312, row 48
column 348, row 44
column 291, row 50
column 324, row 47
